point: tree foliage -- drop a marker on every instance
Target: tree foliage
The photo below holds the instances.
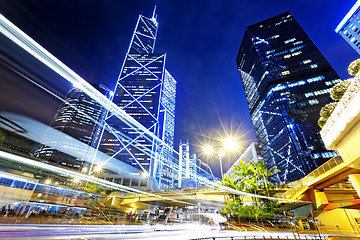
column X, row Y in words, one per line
column 252, row 178
column 94, row 188
column 325, row 113
column 338, row 90
column 354, row 67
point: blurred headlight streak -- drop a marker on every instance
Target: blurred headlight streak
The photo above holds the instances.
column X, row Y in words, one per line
column 80, row 176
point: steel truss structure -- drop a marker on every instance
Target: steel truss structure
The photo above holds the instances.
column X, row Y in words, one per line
column 146, row 91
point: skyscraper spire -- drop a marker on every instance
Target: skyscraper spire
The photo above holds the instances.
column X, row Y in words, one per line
column 146, row 91
column 154, row 16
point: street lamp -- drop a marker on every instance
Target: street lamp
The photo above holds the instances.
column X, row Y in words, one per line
column 76, row 180
column 84, row 170
column 229, row 144
column 98, row 168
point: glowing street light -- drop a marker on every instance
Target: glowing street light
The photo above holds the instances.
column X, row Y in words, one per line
column 98, row 168
column 84, row 169
column 47, row 181
column 208, row 149
column 229, row 144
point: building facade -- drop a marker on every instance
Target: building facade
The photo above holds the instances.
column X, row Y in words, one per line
column 349, row 27
column 250, row 155
column 146, row 91
column 80, row 118
column 187, row 165
column 286, row 81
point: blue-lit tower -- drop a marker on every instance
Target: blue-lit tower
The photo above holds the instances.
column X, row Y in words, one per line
column 286, row 81
column 146, row 91
column 349, row 27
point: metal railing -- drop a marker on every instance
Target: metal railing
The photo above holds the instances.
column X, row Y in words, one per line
column 301, row 237
column 295, row 186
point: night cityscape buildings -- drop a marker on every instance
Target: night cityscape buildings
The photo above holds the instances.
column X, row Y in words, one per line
column 187, row 164
column 349, row 27
column 250, row 155
column 146, row 91
column 286, row 81
column 285, row 78
column 79, row 117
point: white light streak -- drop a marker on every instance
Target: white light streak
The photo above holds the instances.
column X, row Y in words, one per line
column 28, row 44
column 76, row 175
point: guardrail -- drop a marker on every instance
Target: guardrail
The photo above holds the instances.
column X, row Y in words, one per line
column 304, row 237
column 295, row 186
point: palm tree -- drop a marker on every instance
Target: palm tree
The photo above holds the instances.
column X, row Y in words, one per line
column 244, row 170
column 263, row 173
column 246, row 178
column 231, row 182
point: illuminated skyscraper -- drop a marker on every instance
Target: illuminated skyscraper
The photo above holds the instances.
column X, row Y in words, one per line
column 349, row 27
column 146, row 91
column 187, row 165
column 80, row 117
column 286, row 81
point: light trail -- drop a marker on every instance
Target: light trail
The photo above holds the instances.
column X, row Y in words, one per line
column 84, row 177
column 36, row 50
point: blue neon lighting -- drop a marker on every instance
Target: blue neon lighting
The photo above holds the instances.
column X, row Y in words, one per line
column 347, row 16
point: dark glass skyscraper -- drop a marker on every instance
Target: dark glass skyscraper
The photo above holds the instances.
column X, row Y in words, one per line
column 146, row 91
column 286, row 81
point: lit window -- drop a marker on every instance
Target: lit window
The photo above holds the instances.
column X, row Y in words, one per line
column 276, row 36
column 352, row 40
column 278, row 88
column 298, row 83
column 310, row 94
column 285, row 73
column 315, row 79
column 313, row 101
column 307, row 61
column 296, row 48
column 290, row 40
column 314, row 66
column 296, row 53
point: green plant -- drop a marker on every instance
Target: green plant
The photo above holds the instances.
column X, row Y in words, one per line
column 338, row 90
column 326, row 110
column 264, row 173
column 325, row 113
column 246, row 178
column 91, row 187
column 354, row 67
column 322, row 122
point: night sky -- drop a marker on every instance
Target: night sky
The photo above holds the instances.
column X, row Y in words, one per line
column 201, row 39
